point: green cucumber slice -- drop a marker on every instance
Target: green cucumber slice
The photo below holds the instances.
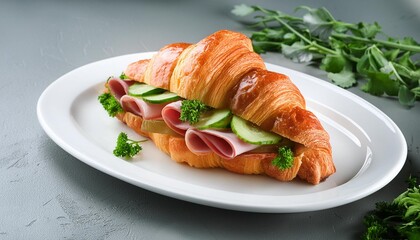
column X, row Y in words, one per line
column 217, row 118
column 141, row 89
column 161, row 98
column 250, row 133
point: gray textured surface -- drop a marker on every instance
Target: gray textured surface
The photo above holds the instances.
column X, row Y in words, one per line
column 46, row 193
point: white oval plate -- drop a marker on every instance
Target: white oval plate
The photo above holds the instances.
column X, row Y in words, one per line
column 368, row 148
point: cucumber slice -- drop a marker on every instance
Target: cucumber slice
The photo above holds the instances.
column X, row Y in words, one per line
column 217, row 118
column 250, row 133
column 141, row 89
column 161, row 98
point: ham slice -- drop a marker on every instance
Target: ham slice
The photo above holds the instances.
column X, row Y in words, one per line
column 118, row 87
column 225, row 144
column 141, row 108
column 171, row 114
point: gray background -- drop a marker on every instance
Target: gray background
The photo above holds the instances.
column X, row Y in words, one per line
column 45, row 193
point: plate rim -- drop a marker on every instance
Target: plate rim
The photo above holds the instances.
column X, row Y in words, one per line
column 181, row 194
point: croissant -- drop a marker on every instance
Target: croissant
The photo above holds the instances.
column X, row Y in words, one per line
column 223, row 71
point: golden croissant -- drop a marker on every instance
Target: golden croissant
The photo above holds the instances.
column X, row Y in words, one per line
column 223, row 72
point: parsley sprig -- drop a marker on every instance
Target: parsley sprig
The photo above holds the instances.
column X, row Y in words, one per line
column 399, row 219
column 124, row 77
column 127, row 147
column 191, row 110
column 110, row 104
column 284, row 158
column 347, row 51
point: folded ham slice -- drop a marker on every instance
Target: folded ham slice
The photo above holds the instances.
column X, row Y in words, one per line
column 225, row 144
column 171, row 114
column 118, row 87
column 141, row 108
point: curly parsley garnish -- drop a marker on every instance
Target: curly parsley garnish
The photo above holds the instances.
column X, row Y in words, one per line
column 399, row 219
column 110, row 104
column 284, row 158
column 123, row 76
column 127, row 147
column 191, row 110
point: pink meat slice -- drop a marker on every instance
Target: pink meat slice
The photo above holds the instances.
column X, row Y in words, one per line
column 225, row 144
column 137, row 106
column 119, row 87
column 171, row 114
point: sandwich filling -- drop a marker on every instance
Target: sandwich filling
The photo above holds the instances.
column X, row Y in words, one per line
column 217, row 131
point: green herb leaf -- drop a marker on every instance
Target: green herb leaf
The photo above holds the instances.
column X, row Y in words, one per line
column 405, row 60
column 123, row 76
column 416, row 91
column 320, row 22
column 269, row 39
column 191, row 110
column 377, row 59
column 380, row 83
column 363, row 66
column 399, row 219
column 264, row 46
column 357, row 49
column 410, row 77
column 391, row 55
column 284, row 159
column 242, row 10
column 344, row 79
column 126, row 147
column 406, row 97
column 275, row 34
column 366, row 30
column 333, row 63
column 298, row 52
column 110, row 104
column 408, row 41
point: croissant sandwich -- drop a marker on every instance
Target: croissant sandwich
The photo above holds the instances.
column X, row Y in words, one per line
column 214, row 104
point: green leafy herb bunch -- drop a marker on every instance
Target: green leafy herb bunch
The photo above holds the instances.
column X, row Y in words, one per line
column 347, row 51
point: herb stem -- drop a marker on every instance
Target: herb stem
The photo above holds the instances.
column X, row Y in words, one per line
column 410, row 48
column 350, row 57
column 311, row 43
column 276, row 13
column 278, row 18
column 269, row 42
